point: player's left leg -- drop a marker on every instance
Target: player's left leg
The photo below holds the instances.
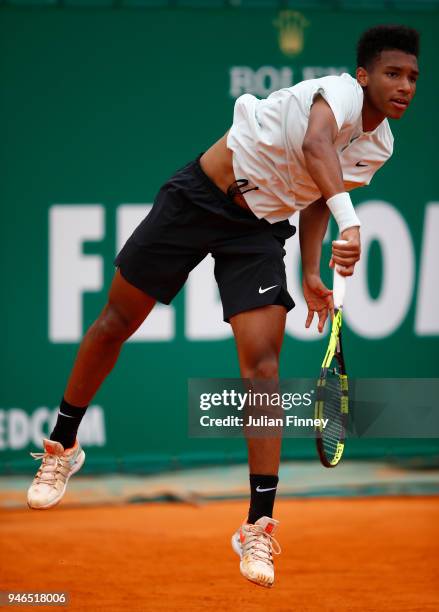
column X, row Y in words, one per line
column 259, row 334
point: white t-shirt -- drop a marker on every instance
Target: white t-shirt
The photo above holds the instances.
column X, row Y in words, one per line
column 267, row 136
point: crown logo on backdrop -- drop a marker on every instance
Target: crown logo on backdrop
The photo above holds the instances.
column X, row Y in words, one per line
column 291, row 26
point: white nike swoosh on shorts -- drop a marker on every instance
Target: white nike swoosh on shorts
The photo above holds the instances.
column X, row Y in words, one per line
column 267, row 288
column 259, row 490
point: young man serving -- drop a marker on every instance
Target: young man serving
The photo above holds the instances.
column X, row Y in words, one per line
column 301, row 149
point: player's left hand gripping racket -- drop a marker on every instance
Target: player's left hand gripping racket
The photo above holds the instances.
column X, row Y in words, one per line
column 332, row 400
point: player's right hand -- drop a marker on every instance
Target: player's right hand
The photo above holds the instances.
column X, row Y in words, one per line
column 345, row 255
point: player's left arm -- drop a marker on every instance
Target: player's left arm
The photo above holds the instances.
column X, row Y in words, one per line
column 312, row 229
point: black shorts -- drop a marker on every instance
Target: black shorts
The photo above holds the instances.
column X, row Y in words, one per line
column 192, row 217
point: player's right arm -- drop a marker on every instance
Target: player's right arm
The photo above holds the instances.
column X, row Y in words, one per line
column 324, row 168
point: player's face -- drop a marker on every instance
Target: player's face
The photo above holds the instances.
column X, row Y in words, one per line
column 390, row 83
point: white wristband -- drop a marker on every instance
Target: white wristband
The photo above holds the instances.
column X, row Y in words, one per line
column 343, row 211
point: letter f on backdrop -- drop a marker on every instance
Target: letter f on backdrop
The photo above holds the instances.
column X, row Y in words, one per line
column 71, row 273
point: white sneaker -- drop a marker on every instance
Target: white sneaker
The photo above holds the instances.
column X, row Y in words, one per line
column 256, row 545
column 49, row 484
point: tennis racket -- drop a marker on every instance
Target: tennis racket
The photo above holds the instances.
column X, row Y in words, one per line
column 332, row 399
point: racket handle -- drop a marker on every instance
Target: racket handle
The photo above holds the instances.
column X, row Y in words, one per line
column 339, row 285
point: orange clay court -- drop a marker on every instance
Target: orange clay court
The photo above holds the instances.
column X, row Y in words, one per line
column 338, row 554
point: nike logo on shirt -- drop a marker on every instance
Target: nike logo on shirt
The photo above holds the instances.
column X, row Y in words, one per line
column 360, row 165
column 266, row 289
column 258, row 488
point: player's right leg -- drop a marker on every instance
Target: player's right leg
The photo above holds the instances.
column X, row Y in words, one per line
column 153, row 265
column 126, row 309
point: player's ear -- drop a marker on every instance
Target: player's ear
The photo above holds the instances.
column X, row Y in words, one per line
column 362, row 76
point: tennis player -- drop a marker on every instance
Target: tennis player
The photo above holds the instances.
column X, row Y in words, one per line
column 300, row 150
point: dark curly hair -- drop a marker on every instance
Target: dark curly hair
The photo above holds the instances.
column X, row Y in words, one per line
column 383, row 38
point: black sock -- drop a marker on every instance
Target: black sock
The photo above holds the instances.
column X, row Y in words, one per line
column 262, row 495
column 67, row 423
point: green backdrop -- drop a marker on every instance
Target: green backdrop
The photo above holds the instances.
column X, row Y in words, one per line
column 98, row 107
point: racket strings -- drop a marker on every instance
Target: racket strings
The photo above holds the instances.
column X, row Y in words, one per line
column 333, row 433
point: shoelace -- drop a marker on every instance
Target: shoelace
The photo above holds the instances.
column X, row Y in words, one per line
column 261, row 544
column 51, row 465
